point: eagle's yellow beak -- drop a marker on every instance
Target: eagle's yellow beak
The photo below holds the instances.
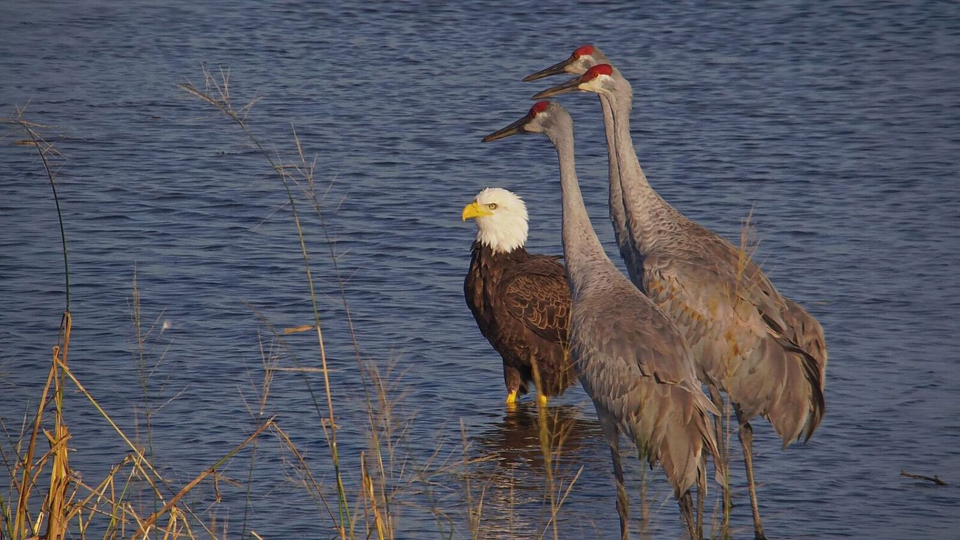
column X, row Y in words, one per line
column 474, row 210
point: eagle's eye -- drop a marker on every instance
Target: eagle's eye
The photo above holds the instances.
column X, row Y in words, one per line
column 492, row 206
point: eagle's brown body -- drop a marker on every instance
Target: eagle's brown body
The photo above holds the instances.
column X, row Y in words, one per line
column 522, row 305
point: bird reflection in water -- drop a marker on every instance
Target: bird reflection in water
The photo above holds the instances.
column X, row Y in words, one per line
column 515, row 440
column 512, row 464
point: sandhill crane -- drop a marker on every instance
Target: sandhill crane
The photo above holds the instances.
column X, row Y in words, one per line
column 520, row 301
column 632, row 361
column 764, row 350
column 582, row 59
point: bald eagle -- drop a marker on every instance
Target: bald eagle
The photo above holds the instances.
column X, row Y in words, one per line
column 521, row 301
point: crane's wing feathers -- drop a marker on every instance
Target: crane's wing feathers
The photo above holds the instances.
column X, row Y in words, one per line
column 537, row 294
column 704, row 288
column 807, row 333
column 729, row 310
column 636, row 367
column 646, row 343
column 634, row 331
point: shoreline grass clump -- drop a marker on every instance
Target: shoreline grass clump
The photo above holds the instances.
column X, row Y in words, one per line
column 68, row 504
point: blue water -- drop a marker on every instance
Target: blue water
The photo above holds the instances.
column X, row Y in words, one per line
column 837, row 125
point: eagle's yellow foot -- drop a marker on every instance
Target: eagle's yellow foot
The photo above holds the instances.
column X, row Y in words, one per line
column 512, row 398
column 542, row 399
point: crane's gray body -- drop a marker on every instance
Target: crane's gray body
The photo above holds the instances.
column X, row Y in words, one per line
column 631, row 360
column 638, row 371
column 764, row 350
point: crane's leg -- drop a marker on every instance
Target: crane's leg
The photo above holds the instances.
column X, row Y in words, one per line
column 746, row 440
column 686, row 508
column 701, row 494
column 720, row 423
column 623, row 500
column 513, row 381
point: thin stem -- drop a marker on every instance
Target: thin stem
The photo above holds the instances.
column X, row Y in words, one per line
column 37, row 140
column 341, row 491
column 224, row 105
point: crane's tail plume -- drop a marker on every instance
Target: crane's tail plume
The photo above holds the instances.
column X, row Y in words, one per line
column 688, row 440
column 803, row 339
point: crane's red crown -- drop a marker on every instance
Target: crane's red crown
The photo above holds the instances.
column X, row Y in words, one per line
column 596, row 71
column 586, row 50
column 538, row 108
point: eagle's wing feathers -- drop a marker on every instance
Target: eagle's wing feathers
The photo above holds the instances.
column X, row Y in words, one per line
column 537, row 294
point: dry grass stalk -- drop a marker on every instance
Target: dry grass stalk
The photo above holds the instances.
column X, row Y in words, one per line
column 217, row 94
column 22, row 516
column 145, row 526
column 745, row 251
column 374, row 503
column 312, row 486
column 551, row 436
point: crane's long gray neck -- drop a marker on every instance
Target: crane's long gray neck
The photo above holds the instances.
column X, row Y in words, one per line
column 647, row 215
column 616, row 197
column 617, row 213
column 582, row 250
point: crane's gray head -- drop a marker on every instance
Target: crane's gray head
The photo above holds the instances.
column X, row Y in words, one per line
column 600, row 79
column 542, row 116
column 501, row 218
column 578, row 63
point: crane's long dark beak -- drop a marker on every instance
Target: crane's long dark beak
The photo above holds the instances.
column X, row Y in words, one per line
column 512, row 129
column 570, row 86
column 555, row 69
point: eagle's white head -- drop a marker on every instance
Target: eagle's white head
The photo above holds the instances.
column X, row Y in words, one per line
column 501, row 219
